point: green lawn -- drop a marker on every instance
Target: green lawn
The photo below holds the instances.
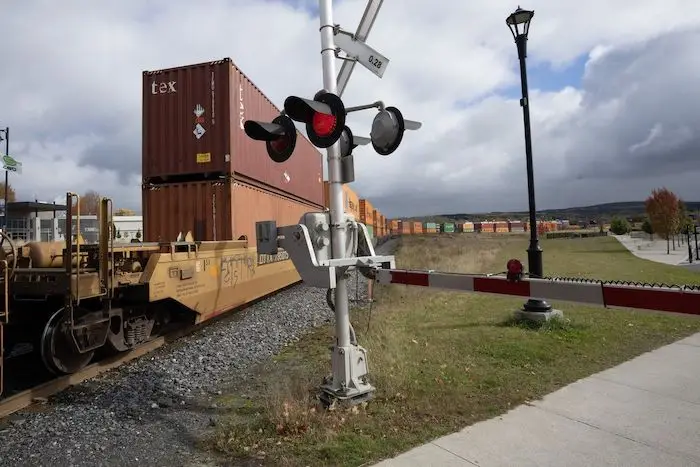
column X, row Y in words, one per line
column 443, row 360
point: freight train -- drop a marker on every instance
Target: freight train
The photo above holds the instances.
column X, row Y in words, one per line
column 204, row 187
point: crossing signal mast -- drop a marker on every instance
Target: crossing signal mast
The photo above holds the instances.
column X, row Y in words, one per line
column 326, row 246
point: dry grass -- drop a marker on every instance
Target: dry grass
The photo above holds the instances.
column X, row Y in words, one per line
column 441, row 360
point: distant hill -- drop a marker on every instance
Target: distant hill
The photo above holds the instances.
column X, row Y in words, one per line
column 631, row 210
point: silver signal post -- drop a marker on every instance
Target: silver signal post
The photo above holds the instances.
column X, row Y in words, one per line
column 349, row 364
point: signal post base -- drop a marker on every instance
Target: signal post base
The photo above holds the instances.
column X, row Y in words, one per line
column 347, row 386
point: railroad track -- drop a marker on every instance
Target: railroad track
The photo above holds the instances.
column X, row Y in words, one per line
column 27, row 397
column 42, row 391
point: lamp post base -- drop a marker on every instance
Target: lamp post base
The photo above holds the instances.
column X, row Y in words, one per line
column 537, row 311
column 537, row 316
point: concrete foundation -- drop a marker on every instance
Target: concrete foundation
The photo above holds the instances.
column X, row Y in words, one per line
column 538, row 316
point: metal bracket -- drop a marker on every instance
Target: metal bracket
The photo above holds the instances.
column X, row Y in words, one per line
column 296, row 241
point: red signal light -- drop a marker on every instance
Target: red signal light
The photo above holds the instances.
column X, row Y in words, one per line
column 280, row 136
column 514, row 270
column 324, row 117
column 323, row 124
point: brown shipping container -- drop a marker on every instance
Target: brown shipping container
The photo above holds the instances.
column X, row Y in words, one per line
column 366, row 210
column 219, row 210
column 218, row 97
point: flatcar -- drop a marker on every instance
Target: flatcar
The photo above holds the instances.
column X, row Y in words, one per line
column 71, row 300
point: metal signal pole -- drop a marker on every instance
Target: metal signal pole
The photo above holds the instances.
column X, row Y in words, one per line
column 342, row 363
column 7, row 153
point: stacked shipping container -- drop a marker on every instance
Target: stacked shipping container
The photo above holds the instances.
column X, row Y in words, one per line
column 366, row 209
column 430, row 227
column 351, row 202
column 515, row 226
column 201, row 173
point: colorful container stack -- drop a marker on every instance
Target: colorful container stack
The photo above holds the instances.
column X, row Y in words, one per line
column 394, row 227
column 201, row 173
column 488, row 227
column 468, row 227
column 416, row 228
column 448, row 227
column 366, row 209
column 351, row 201
column 430, row 227
column 501, row 227
column 516, row 226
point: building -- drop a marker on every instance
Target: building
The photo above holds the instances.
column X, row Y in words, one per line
column 33, row 221
column 30, row 221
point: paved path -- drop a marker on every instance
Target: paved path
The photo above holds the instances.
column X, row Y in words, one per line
column 644, row 412
column 654, row 250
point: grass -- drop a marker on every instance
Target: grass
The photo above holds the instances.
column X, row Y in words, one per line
column 441, row 361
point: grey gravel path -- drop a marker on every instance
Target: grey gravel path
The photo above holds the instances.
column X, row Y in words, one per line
column 151, row 411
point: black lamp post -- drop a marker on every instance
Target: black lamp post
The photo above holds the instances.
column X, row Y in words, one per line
column 519, row 24
column 5, row 134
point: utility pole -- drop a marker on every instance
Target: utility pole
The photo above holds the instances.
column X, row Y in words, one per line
column 6, row 133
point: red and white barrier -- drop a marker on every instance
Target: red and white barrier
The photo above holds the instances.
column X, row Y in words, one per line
column 594, row 293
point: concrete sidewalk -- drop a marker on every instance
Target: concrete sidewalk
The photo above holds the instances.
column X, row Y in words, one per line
column 655, row 250
column 644, row 412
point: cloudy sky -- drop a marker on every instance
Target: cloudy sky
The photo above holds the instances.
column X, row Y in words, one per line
column 613, row 93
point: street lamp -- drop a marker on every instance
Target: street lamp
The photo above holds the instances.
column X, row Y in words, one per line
column 5, row 134
column 519, row 24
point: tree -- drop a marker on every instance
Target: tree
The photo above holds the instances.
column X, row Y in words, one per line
column 619, row 226
column 662, row 209
column 647, row 228
column 89, row 203
column 124, row 212
column 684, row 220
column 11, row 195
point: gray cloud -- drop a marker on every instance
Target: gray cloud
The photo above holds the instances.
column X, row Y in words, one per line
column 636, row 128
column 72, row 95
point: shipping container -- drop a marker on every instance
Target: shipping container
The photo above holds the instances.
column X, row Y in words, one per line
column 193, row 119
column 477, row 227
column 428, row 226
column 468, row 227
column 374, row 217
column 448, row 227
column 366, row 209
column 351, row 202
column 488, row 227
column 404, row 227
column 416, row 227
column 219, row 210
column 501, row 226
column 515, row 226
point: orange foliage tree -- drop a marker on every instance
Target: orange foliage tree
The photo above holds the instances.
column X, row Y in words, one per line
column 89, row 203
column 11, row 197
column 662, row 209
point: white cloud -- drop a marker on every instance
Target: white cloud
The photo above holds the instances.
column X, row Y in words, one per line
column 71, row 91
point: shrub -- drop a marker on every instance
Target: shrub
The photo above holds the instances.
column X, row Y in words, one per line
column 619, row 226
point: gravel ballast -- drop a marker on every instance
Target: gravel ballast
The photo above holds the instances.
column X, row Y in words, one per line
column 152, row 410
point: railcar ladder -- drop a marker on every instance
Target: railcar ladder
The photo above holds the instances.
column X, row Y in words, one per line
column 74, row 290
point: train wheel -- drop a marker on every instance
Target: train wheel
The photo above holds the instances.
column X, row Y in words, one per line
column 58, row 351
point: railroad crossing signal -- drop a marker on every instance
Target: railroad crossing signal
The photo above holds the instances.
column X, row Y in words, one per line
column 324, row 117
column 280, row 136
